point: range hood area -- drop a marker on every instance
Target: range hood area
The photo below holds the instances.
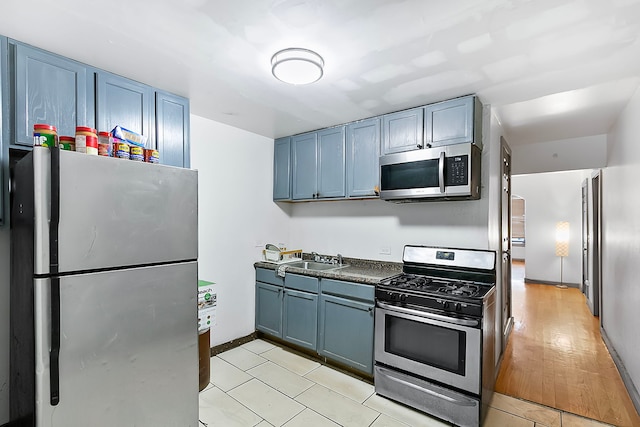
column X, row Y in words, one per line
column 451, row 172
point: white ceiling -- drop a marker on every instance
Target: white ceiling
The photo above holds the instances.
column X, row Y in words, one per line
column 552, row 69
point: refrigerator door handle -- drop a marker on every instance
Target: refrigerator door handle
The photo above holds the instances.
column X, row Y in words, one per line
column 54, row 353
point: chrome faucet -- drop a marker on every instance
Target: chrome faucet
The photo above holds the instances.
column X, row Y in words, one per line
column 339, row 259
column 315, row 256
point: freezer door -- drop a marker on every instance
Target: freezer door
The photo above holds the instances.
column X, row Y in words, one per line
column 128, row 351
column 103, row 212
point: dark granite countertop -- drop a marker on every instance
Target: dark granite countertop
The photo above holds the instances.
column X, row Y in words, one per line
column 358, row 270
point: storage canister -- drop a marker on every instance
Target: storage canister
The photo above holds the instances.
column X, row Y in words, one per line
column 92, row 145
column 151, row 155
column 120, row 148
column 105, row 144
column 137, row 153
column 68, row 143
column 45, row 135
column 82, row 132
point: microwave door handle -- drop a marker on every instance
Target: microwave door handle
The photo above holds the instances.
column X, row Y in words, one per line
column 441, row 171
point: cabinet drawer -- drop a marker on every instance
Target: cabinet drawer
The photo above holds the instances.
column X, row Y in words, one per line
column 269, row 276
column 348, row 289
column 301, row 283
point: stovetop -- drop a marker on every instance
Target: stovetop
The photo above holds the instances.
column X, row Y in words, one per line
column 453, row 282
column 460, row 289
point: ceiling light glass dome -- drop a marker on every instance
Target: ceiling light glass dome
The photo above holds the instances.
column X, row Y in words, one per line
column 297, row 66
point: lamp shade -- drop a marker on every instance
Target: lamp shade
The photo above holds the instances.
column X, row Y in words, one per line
column 562, row 239
column 297, row 66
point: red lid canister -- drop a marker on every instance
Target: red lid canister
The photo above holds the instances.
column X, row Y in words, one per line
column 43, row 126
column 87, row 130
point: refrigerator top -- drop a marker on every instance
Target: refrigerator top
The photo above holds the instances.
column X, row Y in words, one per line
column 93, row 212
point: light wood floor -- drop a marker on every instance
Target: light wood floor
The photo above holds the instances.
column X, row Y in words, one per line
column 556, row 357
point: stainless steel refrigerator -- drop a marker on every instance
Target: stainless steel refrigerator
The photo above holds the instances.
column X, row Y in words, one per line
column 103, row 292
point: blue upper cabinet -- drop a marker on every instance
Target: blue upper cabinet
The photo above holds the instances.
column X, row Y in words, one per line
column 305, row 158
column 319, row 164
column 363, row 150
column 172, row 129
column 454, row 121
column 282, row 169
column 331, row 163
column 126, row 103
column 4, row 134
column 49, row 89
column 403, row 131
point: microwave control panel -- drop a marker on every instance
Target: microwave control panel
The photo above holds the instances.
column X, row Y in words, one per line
column 457, row 170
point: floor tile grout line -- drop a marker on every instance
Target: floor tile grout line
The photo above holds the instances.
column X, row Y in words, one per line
column 241, row 404
column 265, row 383
column 258, row 415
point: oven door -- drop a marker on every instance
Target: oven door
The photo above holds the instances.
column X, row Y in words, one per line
column 433, row 346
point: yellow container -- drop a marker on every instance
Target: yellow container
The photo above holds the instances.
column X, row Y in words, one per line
column 45, row 135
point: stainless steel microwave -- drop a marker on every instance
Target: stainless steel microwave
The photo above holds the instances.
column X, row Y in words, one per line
column 450, row 172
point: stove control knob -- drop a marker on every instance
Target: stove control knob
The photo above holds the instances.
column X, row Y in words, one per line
column 403, row 297
column 391, row 295
column 458, row 306
column 446, row 305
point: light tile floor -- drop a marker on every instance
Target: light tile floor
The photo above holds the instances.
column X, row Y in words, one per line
column 264, row 385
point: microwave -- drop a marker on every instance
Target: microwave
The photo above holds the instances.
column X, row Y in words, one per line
column 451, row 172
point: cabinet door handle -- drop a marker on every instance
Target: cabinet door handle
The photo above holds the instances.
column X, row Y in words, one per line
column 420, row 146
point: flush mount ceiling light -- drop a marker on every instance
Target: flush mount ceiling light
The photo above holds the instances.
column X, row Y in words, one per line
column 297, row 66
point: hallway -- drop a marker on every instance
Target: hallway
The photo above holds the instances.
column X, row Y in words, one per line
column 556, row 357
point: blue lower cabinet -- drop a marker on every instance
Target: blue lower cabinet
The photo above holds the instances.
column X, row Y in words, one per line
column 346, row 332
column 269, row 309
column 300, row 324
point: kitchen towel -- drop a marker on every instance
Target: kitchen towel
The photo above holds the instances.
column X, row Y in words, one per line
column 281, row 270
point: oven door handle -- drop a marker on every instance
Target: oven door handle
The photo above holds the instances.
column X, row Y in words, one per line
column 428, row 315
column 428, row 391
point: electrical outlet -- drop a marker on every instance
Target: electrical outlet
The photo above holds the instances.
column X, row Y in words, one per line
column 385, row 250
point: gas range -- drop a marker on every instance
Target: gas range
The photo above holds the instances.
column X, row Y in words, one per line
column 434, row 333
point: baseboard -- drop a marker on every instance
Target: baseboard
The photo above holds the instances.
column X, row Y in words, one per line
column 547, row 282
column 232, row 344
column 626, row 379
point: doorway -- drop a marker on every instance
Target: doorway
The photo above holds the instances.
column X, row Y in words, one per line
column 505, row 169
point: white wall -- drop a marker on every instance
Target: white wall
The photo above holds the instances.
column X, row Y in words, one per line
column 4, row 324
column 236, row 218
column 588, row 152
column 621, row 239
column 359, row 229
column 550, row 198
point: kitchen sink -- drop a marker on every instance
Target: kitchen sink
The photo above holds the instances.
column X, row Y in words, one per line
column 312, row 265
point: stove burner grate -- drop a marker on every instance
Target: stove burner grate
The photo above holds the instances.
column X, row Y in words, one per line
column 431, row 285
column 460, row 289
